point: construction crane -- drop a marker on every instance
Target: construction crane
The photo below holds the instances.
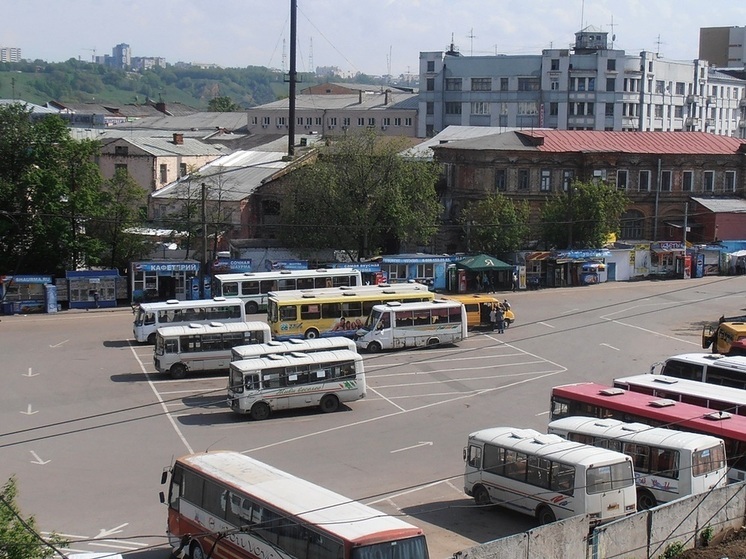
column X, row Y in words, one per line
column 93, row 56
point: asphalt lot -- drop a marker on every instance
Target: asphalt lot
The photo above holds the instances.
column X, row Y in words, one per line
column 88, row 427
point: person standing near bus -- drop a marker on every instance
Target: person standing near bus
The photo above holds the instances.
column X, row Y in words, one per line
column 500, row 319
column 493, row 317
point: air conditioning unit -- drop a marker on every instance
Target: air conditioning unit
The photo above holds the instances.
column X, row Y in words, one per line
column 264, row 125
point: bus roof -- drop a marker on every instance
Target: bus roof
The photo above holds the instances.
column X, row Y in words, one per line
column 291, row 359
column 335, row 293
column 549, row 446
column 320, row 507
column 176, row 304
column 212, row 328
column 293, row 344
column 287, row 273
column 634, row 432
column 417, row 305
column 472, row 297
column 663, row 410
column 684, row 387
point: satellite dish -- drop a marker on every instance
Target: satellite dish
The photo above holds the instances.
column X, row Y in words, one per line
column 613, row 37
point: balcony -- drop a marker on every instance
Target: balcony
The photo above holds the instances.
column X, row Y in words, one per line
column 710, row 123
column 691, row 99
column 691, row 122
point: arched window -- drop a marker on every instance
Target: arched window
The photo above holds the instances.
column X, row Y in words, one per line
column 632, row 224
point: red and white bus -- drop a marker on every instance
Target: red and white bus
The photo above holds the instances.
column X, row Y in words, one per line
column 597, row 400
column 227, row 505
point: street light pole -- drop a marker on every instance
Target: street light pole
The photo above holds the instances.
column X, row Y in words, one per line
column 203, row 264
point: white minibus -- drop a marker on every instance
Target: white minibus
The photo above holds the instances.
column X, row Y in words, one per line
column 203, row 347
column 396, row 325
column 292, row 345
column 548, row 477
column 151, row 316
column 668, row 464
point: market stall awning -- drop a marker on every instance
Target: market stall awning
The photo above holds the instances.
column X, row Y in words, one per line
column 483, row 263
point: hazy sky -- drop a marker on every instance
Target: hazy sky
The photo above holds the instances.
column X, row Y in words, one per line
column 370, row 36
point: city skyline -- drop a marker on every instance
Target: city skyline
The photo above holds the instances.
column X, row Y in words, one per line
column 374, row 37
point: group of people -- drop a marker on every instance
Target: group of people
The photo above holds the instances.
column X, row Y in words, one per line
column 497, row 316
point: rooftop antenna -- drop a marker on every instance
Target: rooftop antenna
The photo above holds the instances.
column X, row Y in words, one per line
column 582, row 13
column 388, row 64
column 613, row 35
column 472, row 36
column 658, row 44
column 283, row 55
column 310, row 56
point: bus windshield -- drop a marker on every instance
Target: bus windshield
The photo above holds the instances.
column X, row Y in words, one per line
column 413, row 548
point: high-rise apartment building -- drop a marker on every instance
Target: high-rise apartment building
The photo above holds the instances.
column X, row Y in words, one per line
column 10, row 54
column 121, row 56
column 587, row 87
column 724, row 47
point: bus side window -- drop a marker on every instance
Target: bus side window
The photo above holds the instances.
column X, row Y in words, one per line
column 172, row 346
column 230, row 289
column 474, row 458
column 252, row 382
column 149, row 319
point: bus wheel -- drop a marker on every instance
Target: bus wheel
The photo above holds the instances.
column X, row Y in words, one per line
column 329, row 404
column 260, row 411
column 645, row 500
column 481, row 497
column 178, row 371
column 374, row 347
column 311, row 334
column 433, row 342
column 545, row 515
column 151, row 339
column 196, row 552
column 252, row 307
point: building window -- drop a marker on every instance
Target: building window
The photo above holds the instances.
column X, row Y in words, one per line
column 546, row 180
column 644, row 181
column 361, row 121
column 299, row 121
column 431, row 66
column 730, row 181
column 708, row 181
column 121, row 150
column 281, row 121
column 182, row 169
column 678, row 111
column 372, row 121
column 453, row 108
column 120, row 167
column 553, row 109
column 687, row 180
column 609, row 109
column 430, row 108
column 522, row 179
column 501, row 183
column 164, row 173
column 680, row 88
column 591, row 108
column 386, row 121
column 528, row 84
column 581, row 84
column 591, row 84
column 265, row 121
column 658, row 111
column 611, row 65
column 430, row 84
column 621, row 179
column 346, row 121
column 666, row 181
column 631, row 225
column 255, row 120
column 528, row 108
column 408, row 121
column 309, row 121
column 397, row 121
column 504, row 84
column 317, row 120
column 660, row 86
column 332, row 121
column 610, row 84
column 453, row 84
column 554, row 85
column 567, row 176
column 481, row 84
column 480, row 108
column 554, row 64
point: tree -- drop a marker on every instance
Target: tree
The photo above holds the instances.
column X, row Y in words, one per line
column 495, row 224
column 49, row 185
column 222, row 105
column 122, row 202
column 584, row 216
column 360, row 196
column 19, row 538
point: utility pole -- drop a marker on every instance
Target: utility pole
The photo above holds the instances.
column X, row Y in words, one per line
column 686, row 223
column 203, row 264
column 293, row 77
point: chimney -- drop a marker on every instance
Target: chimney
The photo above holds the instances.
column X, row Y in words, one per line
column 386, row 98
column 178, row 138
column 161, row 107
column 360, row 93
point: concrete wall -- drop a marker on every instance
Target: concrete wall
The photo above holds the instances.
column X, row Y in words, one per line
column 645, row 534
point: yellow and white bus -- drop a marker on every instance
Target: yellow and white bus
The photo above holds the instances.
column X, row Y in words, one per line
column 295, row 380
column 337, row 312
column 203, row 347
column 294, row 345
column 151, row 316
column 668, row 464
column 396, row 325
column 253, row 287
column 548, row 477
column 478, row 307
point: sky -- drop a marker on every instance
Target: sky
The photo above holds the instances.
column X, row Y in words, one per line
column 374, row 37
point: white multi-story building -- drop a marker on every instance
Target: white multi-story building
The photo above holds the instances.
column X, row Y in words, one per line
column 10, row 54
column 588, row 87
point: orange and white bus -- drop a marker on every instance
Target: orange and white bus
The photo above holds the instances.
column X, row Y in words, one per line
column 226, row 505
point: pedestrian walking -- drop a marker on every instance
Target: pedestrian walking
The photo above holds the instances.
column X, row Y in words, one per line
column 500, row 319
column 515, row 281
column 493, row 317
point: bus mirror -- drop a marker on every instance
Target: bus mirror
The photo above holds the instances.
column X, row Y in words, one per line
column 164, row 477
column 464, row 454
column 161, row 497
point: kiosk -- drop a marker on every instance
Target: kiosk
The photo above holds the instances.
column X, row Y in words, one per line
column 23, row 294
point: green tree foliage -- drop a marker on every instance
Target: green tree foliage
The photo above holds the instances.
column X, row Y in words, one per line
column 19, row 538
column 495, row 224
column 222, row 105
column 584, row 216
column 123, row 203
column 360, row 196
